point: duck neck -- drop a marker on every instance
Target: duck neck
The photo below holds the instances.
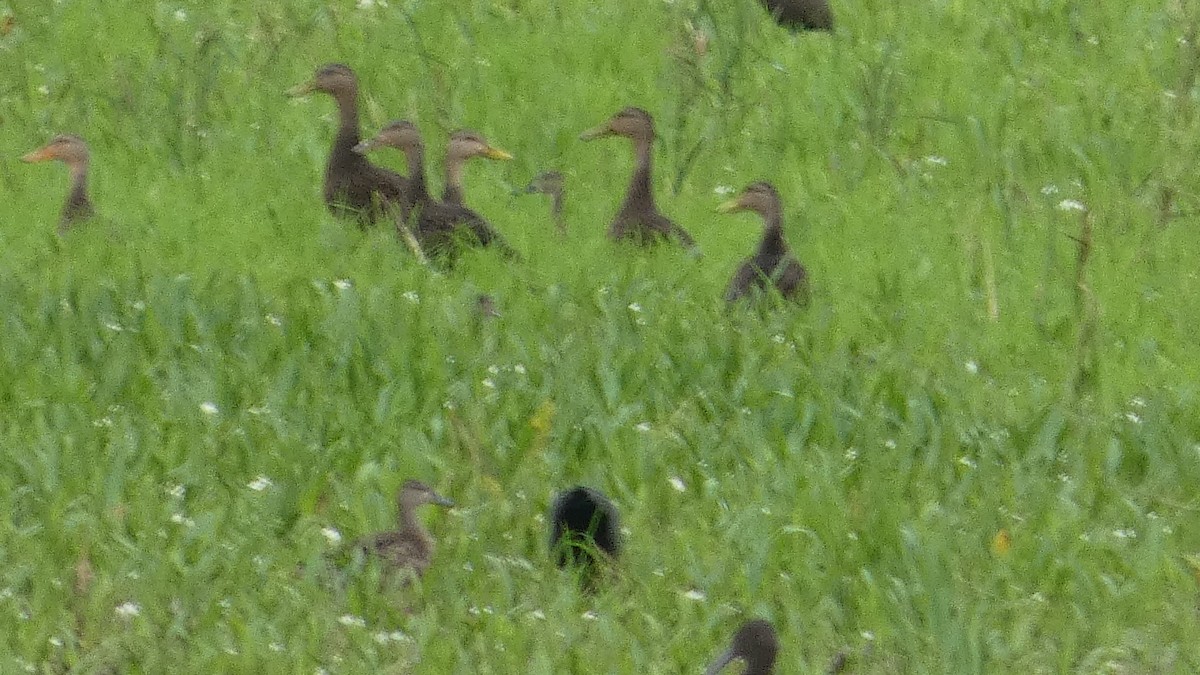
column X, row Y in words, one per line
column 453, row 192
column 772, row 241
column 347, row 136
column 78, row 202
column 639, row 197
column 556, row 210
column 416, row 174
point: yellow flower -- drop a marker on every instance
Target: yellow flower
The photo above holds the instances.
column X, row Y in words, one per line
column 1002, row 542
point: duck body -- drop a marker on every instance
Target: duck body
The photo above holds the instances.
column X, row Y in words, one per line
column 353, row 187
column 773, row 265
column 583, row 523
column 638, row 220
column 755, row 643
column 800, row 14
column 72, row 151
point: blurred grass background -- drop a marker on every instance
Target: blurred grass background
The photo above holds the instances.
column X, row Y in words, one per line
column 846, row 471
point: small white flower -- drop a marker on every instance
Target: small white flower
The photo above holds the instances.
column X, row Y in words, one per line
column 868, row 636
column 538, row 614
column 635, row 307
column 590, row 615
column 257, row 410
column 1125, row 534
column 851, row 454
column 488, row 382
column 128, row 610
column 275, row 647
column 224, row 603
column 177, row 491
column 43, row 90
column 723, row 190
column 332, row 535
column 260, row 483
column 778, row 338
column 274, row 320
column 411, row 296
column 519, row 369
column 1137, row 402
column 972, row 367
column 180, row 519
column 642, row 427
column 1071, row 205
column 55, row 641
column 967, row 462
column 677, row 483
column 493, row 369
column 103, row 423
column 1133, row 417
column 342, row 284
column 890, row 444
column 351, row 620
column 1048, row 190
column 209, row 408
column 180, row 15
column 696, row 595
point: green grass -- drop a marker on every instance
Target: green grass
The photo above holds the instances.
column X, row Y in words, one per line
column 845, row 468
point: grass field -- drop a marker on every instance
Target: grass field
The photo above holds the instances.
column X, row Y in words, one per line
column 977, row 451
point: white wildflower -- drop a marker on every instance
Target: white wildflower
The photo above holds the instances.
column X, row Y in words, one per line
column 635, row 307
column 538, row 614
column 342, row 284
column 1049, row 190
column 936, row 160
column 972, row 367
column 180, row 15
column 642, row 427
column 589, row 615
column 967, row 462
column 209, row 408
column 274, row 320
column 488, row 382
column 723, row 190
column 332, row 535
column 260, row 483
column 351, row 620
column 695, row 595
column 180, row 519
column 519, row 369
column 677, row 483
column 128, row 610
column 1071, row 205
column 411, row 296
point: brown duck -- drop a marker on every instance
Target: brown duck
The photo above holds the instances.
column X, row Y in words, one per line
column 756, row 644
column 72, row 151
column 409, row 548
column 773, row 265
column 800, row 14
column 551, row 183
column 440, row 227
column 465, row 145
column 353, row 186
column 638, row 220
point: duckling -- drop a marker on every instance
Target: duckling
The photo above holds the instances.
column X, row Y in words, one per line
column 354, row 187
column 773, row 265
column 756, row 644
column 409, row 548
column 638, row 220
column 72, row 151
column 551, row 183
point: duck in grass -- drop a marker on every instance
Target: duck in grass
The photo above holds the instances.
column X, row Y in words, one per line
column 72, row 151
column 442, row 229
column 551, row 183
column 756, row 644
column 465, row 145
column 353, row 187
column 409, row 548
column 797, row 15
column 772, row 266
column 638, row 220
column 584, row 530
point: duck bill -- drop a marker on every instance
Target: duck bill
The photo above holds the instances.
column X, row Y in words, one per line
column 731, row 206
column 363, row 147
column 496, row 153
column 596, row 132
column 302, row 89
column 719, row 665
column 442, row 501
column 39, row 155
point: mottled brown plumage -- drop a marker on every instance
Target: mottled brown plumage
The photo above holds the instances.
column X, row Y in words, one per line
column 72, row 151
column 756, row 644
column 409, row 548
column 441, row 228
column 773, row 264
column 551, row 183
column 800, row 14
column 353, row 187
column 638, row 220
column 465, row 145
